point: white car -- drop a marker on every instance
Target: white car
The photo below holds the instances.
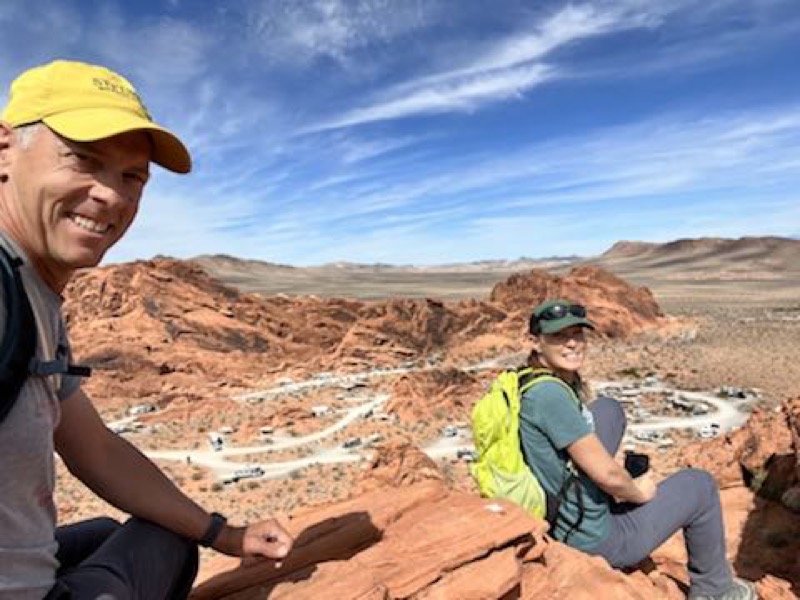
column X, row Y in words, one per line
column 449, row 431
column 249, row 472
column 708, row 431
column 466, row 455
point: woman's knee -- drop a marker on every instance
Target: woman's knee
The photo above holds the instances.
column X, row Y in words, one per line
column 703, row 484
column 610, row 408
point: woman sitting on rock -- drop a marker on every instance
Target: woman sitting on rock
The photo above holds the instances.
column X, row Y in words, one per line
column 596, row 505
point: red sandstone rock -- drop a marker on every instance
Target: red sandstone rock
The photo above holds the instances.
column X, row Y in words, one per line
column 616, row 308
column 766, row 449
column 440, row 393
column 439, row 537
column 163, row 329
column 395, row 464
column 336, row 532
column 485, row 579
column 571, row 574
column 335, row 579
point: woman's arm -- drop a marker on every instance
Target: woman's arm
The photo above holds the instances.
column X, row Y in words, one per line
column 592, row 458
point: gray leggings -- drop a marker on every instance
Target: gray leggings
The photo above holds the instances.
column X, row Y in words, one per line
column 687, row 500
column 101, row 559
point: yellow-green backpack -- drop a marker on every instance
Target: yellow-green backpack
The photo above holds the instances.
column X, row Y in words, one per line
column 501, row 471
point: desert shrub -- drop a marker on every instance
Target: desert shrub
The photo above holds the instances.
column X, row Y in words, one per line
column 631, row 372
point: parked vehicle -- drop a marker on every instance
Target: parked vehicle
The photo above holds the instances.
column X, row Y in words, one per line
column 466, row 455
column 708, row 431
column 249, row 472
column 141, row 409
column 216, row 440
column 449, row 431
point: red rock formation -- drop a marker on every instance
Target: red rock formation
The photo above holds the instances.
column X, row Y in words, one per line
column 164, row 330
column 423, row 542
column 765, row 455
column 396, row 464
column 753, row 451
column 616, row 308
column 438, row 393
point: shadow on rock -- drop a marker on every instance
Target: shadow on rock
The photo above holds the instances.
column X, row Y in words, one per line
column 335, row 539
column 770, row 539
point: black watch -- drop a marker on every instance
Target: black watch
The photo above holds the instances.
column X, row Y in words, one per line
column 214, row 529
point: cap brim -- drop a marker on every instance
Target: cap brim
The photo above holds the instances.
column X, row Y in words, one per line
column 91, row 124
column 556, row 325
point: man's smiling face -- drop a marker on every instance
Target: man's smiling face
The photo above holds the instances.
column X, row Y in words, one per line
column 74, row 200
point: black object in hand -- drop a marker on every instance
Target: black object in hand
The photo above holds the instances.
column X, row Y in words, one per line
column 636, row 464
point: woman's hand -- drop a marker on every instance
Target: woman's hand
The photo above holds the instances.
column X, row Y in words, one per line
column 592, row 458
column 647, row 488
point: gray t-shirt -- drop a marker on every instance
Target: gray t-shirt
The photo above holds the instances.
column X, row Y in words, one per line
column 27, row 511
column 551, row 420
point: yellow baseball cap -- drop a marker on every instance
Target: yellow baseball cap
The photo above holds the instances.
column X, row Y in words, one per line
column 84, row 103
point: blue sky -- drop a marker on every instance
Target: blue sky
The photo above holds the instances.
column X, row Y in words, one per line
column 433, row 131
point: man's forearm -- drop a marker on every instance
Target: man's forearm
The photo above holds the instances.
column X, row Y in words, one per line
column 129, row 481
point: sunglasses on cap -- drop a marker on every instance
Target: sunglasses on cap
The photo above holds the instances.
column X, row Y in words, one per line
column 555, row 313
column 559, row 311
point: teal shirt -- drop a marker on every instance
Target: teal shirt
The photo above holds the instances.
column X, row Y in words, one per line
column 550, row 420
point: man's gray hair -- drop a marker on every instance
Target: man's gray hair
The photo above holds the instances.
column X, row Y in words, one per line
column 26, row 133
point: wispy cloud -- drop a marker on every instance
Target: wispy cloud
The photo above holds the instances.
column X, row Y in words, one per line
column 465, row 94
column 302, row 31
column 500, row 70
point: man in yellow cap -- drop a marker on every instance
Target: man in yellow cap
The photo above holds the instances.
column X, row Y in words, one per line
column 76, row 143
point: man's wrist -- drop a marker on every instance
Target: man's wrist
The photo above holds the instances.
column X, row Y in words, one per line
column 215, row 527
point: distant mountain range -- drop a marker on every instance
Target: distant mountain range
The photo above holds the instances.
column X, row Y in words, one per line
column 520, row 264
column 775, row 256
column 693, row 262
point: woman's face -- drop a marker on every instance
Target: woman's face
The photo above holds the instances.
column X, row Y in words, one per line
column 564, row 351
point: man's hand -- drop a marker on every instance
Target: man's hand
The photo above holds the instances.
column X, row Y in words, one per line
column 265, row 539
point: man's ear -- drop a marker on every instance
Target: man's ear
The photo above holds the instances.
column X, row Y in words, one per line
column 7, row 141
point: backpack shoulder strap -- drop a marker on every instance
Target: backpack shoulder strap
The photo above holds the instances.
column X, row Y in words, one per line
column 19, row 337
column 530, row 377
column 18, row 343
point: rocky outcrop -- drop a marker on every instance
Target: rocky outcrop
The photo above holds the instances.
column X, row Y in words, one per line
column 397, row 463
column 438, row 393
column 615, row 307
column 424, row 542
column 764, row 455
column 163, row 329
